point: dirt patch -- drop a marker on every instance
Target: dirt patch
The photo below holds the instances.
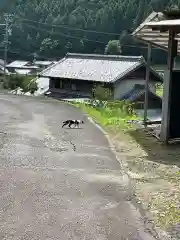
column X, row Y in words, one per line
column 155, row 170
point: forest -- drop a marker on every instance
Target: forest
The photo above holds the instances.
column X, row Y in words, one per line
column 48, row 29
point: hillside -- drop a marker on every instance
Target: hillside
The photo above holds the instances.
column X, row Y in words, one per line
column 50, row 28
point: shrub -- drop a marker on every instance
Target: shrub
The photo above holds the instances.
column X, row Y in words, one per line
column 102, row 93
column 113, row 47
column 23, row 82
column 12, row 82
column 123, row 106
column 104, row 96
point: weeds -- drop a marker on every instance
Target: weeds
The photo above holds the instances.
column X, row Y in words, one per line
column 159, row 90
column 114, row 116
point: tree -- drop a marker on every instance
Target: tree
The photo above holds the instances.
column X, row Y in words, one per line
column 68, row 46
column 158, row 5
column 53, row 23
column 49, row 44
column 113, row 47
column 23, row 82
column 140, row 13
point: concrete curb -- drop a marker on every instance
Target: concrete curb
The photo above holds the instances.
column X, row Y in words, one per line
column 109, row 141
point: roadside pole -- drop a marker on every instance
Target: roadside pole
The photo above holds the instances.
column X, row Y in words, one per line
column 6, row 40
column 147, row 84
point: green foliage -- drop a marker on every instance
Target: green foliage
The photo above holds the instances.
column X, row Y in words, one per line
column 24, row 82
column 48, row 45
column 125, row 107
column 159, row 90
column 102, row 93
column 113, row 47
column 112, row 16
column 109, row 113
column 32, row 87
column 11, row 82
column 114, row 115
column 104, row 96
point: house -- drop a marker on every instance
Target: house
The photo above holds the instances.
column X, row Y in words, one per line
column 22, row 67
column 75, row 75
column 43, row 64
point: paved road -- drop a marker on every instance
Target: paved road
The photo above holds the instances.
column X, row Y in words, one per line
column 48, row 190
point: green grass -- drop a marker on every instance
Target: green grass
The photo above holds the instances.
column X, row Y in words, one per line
column 112, row 117
column 159, row 91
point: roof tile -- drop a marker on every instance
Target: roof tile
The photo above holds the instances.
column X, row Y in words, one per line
column 92, row 67
column 17, row 63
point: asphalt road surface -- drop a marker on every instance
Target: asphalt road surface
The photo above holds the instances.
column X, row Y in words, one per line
column 60, row 183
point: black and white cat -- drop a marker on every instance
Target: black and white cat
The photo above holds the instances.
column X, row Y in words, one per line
column 72, row 122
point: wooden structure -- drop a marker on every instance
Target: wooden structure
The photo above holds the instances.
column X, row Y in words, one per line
column 163, row 31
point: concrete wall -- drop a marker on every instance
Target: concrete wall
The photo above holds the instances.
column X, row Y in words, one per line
column 124, row 86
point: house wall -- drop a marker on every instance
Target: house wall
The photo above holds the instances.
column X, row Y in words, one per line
column 124, row 86
column 136, row 77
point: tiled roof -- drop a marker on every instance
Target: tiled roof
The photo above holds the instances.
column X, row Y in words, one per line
column 28, row 67
column 22, row 71
column 17, row 64
column 43, row 63
column 92, row 67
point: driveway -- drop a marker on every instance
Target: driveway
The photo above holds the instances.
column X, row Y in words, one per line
column 60, row 183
